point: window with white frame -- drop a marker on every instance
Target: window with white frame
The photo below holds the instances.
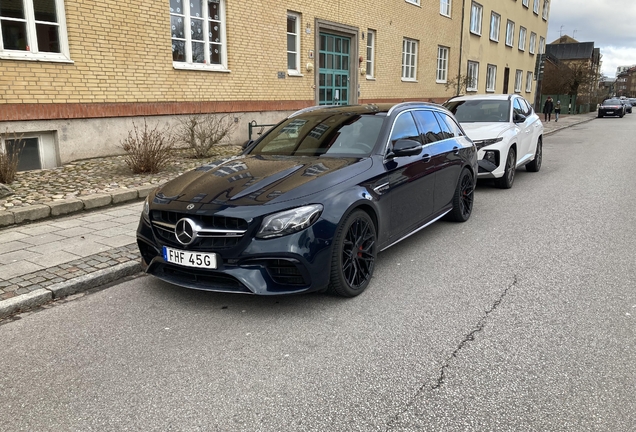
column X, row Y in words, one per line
column 525, row 3
column 370, row 53
column 472, row 76
column 442, row 64
column 293, row 43
column 495, row 23
column 415, row 2
column 491, row 78
column 535, row 7
column 522, row 38
column 510, row 33
column 409, row 59
column 198, row 34
column 445, row 7
column 476, row 12
column 518, row 80
column 33, row 30
column 541, row 45
column 529, row 82
column 546, row 5
column 533, row 42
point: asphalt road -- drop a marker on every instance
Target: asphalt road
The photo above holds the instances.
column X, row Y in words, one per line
column 521, row 319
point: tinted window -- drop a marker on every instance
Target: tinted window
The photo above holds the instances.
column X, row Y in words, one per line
column 323, row 134
column 404, row 128
column 447, row 130
column 476, row 111
column 452, row 124
column 517, row 107
column 429, row 127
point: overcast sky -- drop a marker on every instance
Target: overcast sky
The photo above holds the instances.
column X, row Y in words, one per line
column 611, row 25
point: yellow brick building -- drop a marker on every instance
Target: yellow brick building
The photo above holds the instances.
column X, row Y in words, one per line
column 75, row 74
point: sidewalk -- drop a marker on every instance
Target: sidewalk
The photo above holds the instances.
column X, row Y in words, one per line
column 55, row 257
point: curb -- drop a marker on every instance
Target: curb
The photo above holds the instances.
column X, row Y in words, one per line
column 75, row 205
column 568, row 126
column 42, row 296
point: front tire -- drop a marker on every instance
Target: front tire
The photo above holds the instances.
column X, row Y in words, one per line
column 506, row 181
column 600, row 115
column 463, row 198
column 354, row 253
column 535, row 165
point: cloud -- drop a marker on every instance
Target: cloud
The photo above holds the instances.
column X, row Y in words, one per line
column 610, row 25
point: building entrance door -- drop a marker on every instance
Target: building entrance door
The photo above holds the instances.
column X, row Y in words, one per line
column 333, row 69
column 506, row 79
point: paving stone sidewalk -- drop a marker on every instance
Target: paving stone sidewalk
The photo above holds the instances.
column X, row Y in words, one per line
column 55, row 257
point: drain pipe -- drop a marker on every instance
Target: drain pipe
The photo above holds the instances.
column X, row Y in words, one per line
column 461, row 47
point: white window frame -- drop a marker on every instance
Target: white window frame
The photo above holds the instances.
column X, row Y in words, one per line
column 476, row 15
column 518, row 80
column 409, row 59
column 541, row 45
column 535, row 7
column 33, row 53
column 522, row 38
column 294, row 71
column 510, row 33
column 495, row 26
column 371, row 53
column 491, row 78
column 414, row 2
column 533, row 42
column 188, row 64
column 445, row 7
column 472, row 73
column 441, row 75
column 529, row 78
column 546, row 7
column 526, row 3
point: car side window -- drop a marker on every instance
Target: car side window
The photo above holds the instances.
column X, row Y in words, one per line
column 404, row 128
column 429, row 127
column 449, row 127
column 517, row 107
column 527, row 106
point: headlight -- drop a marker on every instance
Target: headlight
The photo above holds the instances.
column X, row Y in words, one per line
column 146, row 211
column 483, row 143
column 289, row 221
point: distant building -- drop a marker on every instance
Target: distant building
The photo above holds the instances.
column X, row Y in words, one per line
column 626, row 83
column 622, row 69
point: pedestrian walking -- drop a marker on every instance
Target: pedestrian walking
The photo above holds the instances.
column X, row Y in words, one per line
column 557, row 111
column 548, row 106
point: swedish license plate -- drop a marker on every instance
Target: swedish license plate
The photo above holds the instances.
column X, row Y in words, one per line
column 610, row 112
column 190, row 259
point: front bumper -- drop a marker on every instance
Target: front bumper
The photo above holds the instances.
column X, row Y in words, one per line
column 490, row 161
column 295, row 263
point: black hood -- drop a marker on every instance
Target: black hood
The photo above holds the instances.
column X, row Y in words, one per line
column 254, row 180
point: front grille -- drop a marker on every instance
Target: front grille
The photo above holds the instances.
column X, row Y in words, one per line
column 285, row 272
column 201, row 279
column 218, row 232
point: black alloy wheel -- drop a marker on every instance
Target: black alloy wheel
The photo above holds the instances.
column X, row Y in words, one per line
column 463, row 198
column 354, row 253
column 535, row 165
column 506, row 181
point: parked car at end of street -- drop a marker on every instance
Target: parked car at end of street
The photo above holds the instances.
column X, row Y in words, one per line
column 611, row 107
column 506, row 130
column 308, row 206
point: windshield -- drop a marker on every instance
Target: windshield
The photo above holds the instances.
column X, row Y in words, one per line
column 331, row 134
column 612, row 102
column 476, row 111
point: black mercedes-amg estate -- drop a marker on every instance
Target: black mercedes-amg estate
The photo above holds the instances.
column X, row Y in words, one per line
column 308, row 206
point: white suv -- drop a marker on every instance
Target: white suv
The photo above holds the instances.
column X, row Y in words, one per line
column 506, row 131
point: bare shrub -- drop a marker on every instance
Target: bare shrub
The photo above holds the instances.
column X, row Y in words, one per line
column 201, row 132
column 9, row 159
column 147, row 150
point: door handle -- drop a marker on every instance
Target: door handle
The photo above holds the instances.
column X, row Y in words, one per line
column 456, row 150
column 426, row 157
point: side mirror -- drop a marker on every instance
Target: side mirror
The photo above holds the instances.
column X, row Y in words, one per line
column 519, row 118
column 406, row 147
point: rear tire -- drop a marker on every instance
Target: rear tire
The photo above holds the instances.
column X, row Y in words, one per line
column 353, row 257
column 463, row 197
column 508, row 178
column 535, row 165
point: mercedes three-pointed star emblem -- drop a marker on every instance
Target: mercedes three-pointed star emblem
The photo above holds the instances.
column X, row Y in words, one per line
column 186, row 231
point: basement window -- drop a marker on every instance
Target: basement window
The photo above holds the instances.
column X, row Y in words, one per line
column 37, row 151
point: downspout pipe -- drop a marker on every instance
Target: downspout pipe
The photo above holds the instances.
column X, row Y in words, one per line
column 461, row 48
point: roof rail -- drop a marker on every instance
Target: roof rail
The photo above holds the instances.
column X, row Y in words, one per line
column 309, row 109
column 402, row 104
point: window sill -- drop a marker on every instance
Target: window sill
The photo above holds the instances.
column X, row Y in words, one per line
column 475, row 33
column 413, row 2
column 490, row 90
column 294, row 74
column 471, row 90
column 494, row 40
column 199, row 67
column 441, row 81
column 29, row 56
column 370, row 78
column 445, row 16
column 412, row 80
